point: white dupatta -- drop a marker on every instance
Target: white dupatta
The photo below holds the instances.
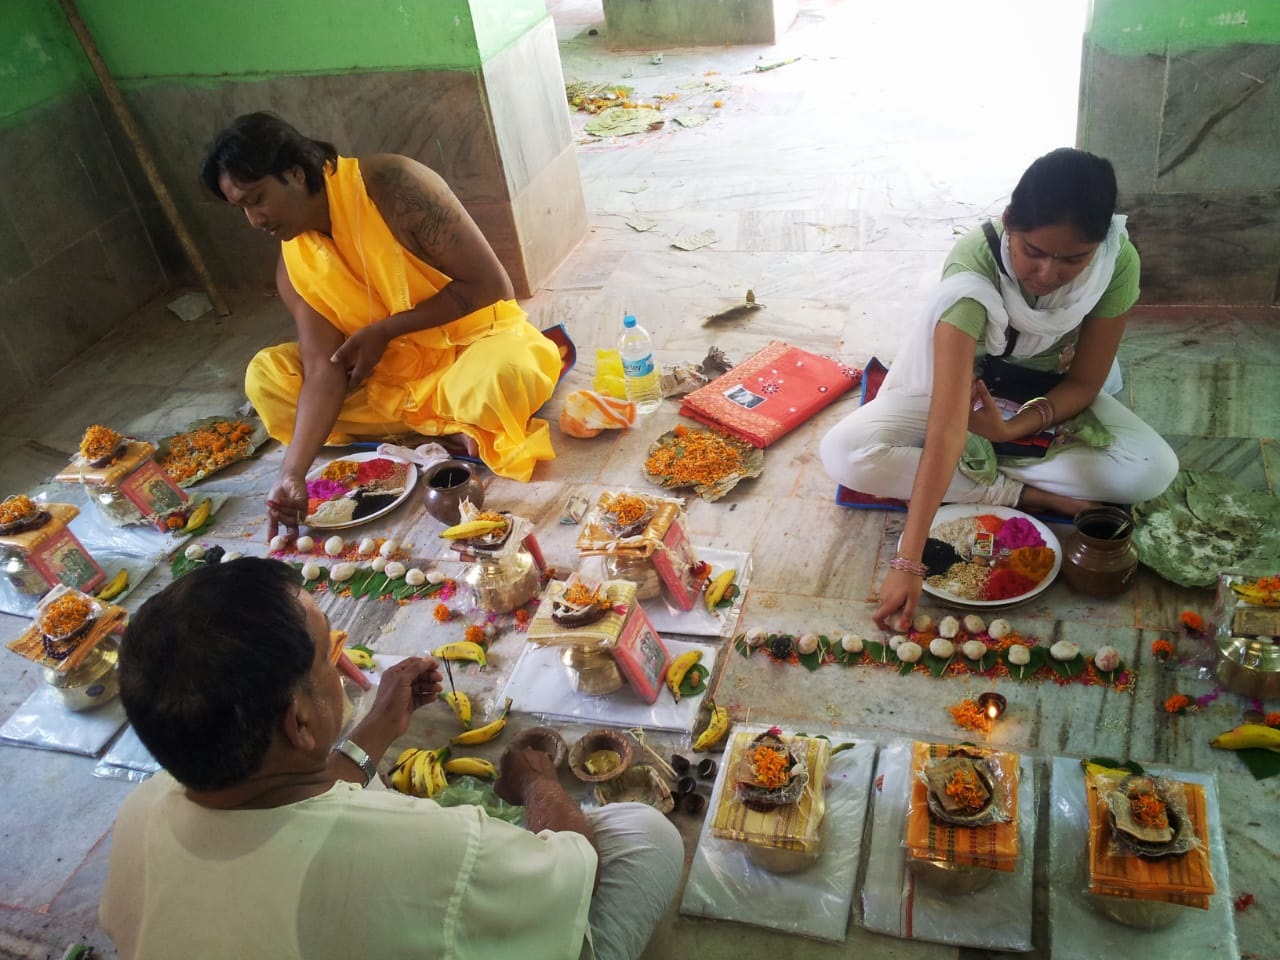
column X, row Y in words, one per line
column 1038, row 327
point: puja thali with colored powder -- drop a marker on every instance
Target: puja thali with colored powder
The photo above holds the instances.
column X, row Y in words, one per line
column 706, row 460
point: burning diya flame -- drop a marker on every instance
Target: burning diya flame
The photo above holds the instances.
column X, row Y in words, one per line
column 992, row 704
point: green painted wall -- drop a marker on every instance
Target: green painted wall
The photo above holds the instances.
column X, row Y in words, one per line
column 39, row 56
column 1137, row 27
column 499, row 22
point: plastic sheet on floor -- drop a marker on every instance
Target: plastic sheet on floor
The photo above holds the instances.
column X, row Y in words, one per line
column 126, row 759
column 725, row 884
column 43, row 721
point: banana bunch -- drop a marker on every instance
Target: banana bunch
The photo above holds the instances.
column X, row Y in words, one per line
column 471, row 767
column 460, row 703
column 717, row 588
column 462, row 650
column 487, row 732
column 115, row 586
column 716, row 729
column 471, row 529
column 420, row 773
column 678, row 668
column 1263, row 592
column 362, row 657
column 1249, row 736
column 197, row 518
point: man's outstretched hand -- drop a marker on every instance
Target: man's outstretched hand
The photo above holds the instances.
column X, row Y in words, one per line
column 360, row 354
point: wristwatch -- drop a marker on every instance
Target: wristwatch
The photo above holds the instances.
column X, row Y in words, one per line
column 356, row 754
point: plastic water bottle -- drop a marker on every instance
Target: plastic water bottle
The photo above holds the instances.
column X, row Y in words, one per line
column 638, row 366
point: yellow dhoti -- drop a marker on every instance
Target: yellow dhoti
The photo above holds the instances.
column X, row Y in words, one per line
column 483, row 375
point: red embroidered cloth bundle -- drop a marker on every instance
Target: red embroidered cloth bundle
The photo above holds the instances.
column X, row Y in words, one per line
column 771, row 393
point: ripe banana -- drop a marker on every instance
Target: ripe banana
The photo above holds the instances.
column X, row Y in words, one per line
column 678, row 668
column 460, row 703
column 1260, row 593
column 360, row 656
column 420, row 773
column 716, row 729
column 196, row 519
column 717, row 587
column 115, row 586
column 462, row 650
column 472, row 528
column 487, row 732
column 1249, row 735
column 471, row 767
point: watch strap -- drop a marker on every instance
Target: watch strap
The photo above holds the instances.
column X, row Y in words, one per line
column 357, row 755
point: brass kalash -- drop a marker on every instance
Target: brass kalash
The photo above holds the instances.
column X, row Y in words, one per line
column 506, row 565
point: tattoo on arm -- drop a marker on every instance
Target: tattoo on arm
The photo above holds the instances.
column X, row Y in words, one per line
column 430, row 224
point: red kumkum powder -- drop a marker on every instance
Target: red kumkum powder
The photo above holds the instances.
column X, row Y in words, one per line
column 1006, row 584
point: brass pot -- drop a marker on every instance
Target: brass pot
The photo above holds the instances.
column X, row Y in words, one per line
column 1249, row 666
column 502, row 582
column 92, row 683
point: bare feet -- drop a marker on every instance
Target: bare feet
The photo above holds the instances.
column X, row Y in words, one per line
column 1041, row 501
column 459, row 444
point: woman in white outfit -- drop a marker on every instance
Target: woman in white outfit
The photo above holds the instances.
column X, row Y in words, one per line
column 1037, row 305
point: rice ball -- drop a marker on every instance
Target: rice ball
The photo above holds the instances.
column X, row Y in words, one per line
column 394, row 570
column 808, row 643
column 342, row 571
column 194, row 552
column 334, row 546
column 909, row 652
column 389, row 548
column 368, row 546
column 974, row 624
column 948, row 627
column 999, row 629
column 310, row 570
column 1106, row 659
column 1064, row 650
column 852, row 643
column 942, row 648
column 231, row 555
column 896, row 641
column 415, row 577
column 922, row 622
column 278, row 543
column 755, row 637
column 305, row 544
column 974, row 649
column 435, row 575
column 1019, row 655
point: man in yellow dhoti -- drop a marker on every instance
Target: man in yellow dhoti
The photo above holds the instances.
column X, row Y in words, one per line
column 405, row 315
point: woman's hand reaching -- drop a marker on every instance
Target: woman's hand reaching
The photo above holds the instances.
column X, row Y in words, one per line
column 985, row 417
column 899, row 597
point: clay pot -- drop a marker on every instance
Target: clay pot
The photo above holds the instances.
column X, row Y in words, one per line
column 1099, row 558
column 447, row 484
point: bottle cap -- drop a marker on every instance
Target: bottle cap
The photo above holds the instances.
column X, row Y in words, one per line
column 628, row 321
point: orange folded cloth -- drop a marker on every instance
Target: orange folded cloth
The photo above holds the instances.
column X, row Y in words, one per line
column 770, row 393
column 586, row 413
column 1183, row 879
column 994, row 846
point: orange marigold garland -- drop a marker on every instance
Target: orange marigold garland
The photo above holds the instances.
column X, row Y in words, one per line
column 969, row 716
column 17, row 508
column 1192, row 621
column 1162, row 649
column 1178, row 703
column 700, row 457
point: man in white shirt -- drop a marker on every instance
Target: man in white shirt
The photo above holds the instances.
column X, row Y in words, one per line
column 260, row 839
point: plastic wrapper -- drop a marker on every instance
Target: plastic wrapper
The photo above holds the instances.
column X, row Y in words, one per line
column 132, row 489
column 725, row 883
column 1083, row 926
column 43, row 721
column 126, row 759
column 471, row 790
column 937, row 832
column 541, row 684
column 38, row 557
column 996, row 915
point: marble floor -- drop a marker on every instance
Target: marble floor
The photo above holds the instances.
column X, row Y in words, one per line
column 834, row 184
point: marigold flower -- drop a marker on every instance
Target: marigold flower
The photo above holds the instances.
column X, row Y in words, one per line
column 442, row 613
column 1177, row 703
column 473, row 633
column 1273, row 719
column 523, row 617
column 1192, row 621
column 1162, row 649
column 16, row 508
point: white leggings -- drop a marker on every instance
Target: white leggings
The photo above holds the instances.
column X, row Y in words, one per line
column 641, row 861
column 876, row 450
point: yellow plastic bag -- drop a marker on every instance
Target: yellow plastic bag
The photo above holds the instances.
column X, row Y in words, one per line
column 609, row 378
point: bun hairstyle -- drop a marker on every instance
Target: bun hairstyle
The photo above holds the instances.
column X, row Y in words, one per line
column 1065, row 186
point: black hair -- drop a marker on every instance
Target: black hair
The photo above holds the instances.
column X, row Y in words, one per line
column 258, row 145
column 208, row 667
column 1065, row 186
